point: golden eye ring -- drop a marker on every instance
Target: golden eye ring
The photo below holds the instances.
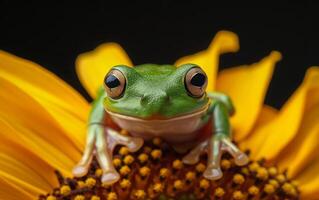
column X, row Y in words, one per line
column 196, row 82
column 114, row 84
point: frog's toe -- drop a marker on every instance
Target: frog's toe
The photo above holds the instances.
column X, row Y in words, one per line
column 110, row 177
column 190, row 159
column 241, row 159
column 213, row 173
column 135, row 144
column 80, row 170
column 115, row 138
column 193, row 156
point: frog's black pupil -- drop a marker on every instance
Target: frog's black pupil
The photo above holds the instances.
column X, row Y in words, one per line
column 112, row 81
column 198, row 80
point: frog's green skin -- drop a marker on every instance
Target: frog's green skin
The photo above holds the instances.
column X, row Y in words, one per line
column 158, row 90
column 158, row 85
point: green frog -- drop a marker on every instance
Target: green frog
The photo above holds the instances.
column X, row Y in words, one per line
column 162, row 101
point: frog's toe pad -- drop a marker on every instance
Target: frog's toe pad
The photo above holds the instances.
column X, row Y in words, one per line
column 109, row 178
column 80, row 170
column 213, row 173
column 135, row 144
column 190, row 159
column 241, row 159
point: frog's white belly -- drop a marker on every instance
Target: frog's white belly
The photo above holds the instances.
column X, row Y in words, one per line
column 176, row 130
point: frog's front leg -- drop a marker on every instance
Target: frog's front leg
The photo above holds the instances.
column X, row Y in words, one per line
column 101, row 141
column 219, row 142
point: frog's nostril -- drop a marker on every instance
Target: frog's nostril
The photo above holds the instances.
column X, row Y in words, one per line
column 144, row 99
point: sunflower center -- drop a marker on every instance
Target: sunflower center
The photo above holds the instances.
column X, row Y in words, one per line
column 157, row 172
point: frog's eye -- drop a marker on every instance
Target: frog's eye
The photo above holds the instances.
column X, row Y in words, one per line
column 196, row 82
column 114, row 83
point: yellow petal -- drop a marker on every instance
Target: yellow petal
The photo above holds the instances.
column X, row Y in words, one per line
column 303, row 149
column 208, row 60
column 52, row 155
column 10, row 191
column 62, row 102
column 24, row 170
column 267, row 114
column 247, row 86
column 92, row 67
column 41, row 83
column 24, row 121
column 308, row 182
column 271, row 138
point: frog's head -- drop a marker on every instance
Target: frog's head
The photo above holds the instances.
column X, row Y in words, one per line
column 152, row 91
column 155, row 100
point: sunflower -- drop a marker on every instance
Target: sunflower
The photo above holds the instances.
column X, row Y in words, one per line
column 43, row 130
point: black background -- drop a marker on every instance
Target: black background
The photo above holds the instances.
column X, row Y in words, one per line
column 53, row 34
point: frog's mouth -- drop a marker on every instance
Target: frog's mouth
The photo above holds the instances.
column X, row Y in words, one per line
column 160, row 118
column 175, row 128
